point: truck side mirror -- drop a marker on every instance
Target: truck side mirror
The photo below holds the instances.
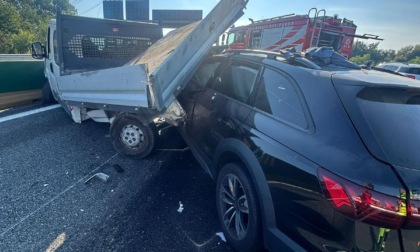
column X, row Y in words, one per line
column 38, row 50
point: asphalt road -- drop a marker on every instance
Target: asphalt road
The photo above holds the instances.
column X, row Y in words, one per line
column 45, row 204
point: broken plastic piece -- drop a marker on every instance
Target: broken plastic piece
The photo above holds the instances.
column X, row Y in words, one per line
column 118, row 168
column 181, row 207
column 221, row 235
column 102, row 176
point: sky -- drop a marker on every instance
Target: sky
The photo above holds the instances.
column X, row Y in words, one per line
column 397, row 22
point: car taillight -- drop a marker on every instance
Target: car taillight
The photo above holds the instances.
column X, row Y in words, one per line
column 362, row 203
column 410, row 76
column 413, row 213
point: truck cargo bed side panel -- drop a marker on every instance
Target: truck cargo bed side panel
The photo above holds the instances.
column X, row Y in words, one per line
column 89, row 44
column 121, row 86
column 174, row 73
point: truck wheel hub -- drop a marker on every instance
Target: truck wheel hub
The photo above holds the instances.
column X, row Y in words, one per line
column 131, row 136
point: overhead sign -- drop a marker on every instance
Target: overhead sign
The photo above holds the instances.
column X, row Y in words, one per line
column 176, row 18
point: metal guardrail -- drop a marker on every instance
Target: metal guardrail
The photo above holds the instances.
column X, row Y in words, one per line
column 17, row 57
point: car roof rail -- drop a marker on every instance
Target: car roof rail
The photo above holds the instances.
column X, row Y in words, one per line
column 291, row 57
column 269, row 54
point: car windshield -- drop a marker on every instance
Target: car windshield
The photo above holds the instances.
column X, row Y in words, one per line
column 394, row 117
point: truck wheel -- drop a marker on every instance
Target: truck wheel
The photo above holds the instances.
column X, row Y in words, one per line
column 131, row 138
column 238, row 210
column 47, row 95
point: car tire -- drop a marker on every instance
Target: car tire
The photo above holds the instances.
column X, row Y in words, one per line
column 238, row 209
column 131, row 138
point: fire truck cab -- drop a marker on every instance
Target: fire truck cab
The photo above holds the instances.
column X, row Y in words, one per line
column 301, row 32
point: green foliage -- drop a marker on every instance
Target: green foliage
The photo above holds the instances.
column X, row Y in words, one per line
column 20, row 41
column 10, row 26
column 360, row 60
column 416, row 60
column 26, row 21
column 406, row 54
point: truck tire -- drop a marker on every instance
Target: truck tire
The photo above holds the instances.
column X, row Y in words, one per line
column 238, row 209
column 131, row 138
column 47, row 95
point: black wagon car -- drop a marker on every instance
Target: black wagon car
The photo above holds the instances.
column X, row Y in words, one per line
column 307, row 158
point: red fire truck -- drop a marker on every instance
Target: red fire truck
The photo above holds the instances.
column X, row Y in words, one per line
column 297, row 31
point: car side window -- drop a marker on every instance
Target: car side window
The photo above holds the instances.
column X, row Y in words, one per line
column 393, row 68
column 204, row 72
column 277, row 96
column 237, row 80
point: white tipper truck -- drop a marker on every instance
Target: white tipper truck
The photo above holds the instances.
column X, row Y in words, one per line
column 125, row 73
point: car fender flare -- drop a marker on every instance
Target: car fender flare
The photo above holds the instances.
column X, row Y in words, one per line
column 257, row 175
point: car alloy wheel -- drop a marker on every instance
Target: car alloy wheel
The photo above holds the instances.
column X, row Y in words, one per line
column 238, row 209
column 234, row 206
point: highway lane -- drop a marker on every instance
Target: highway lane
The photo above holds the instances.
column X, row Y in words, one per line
column 45, row 204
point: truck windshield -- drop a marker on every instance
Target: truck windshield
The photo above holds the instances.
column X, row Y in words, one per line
column 231, row 38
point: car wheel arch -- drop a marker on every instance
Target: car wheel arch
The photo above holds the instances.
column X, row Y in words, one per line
column 233, row 150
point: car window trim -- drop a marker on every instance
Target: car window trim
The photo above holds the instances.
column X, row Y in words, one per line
column 311, row 126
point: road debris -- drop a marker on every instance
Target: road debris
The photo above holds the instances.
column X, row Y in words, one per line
column 181, row 207
column 102, row 176
column 221, row 235
column 118, row 168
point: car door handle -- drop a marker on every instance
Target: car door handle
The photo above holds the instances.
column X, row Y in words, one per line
column 225, row 123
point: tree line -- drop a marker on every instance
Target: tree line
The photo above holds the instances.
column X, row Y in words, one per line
column 25, row 21
column 363, row 52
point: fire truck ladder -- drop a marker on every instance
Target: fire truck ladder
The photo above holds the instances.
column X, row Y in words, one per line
column 317, row 25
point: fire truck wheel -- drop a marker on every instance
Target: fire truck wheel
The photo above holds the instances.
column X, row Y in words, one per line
column 131, row 138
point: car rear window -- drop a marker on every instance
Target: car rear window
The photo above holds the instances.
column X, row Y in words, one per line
column 393, row 115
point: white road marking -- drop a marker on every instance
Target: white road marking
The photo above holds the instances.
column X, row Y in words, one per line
column 27, row 113
column 56, row 197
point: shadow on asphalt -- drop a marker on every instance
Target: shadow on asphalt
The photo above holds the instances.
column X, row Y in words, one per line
column 149, row 221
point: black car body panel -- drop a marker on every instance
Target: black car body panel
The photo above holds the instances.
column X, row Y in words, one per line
column 293, row 128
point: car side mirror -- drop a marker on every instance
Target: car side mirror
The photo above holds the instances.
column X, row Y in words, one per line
column 38, row 50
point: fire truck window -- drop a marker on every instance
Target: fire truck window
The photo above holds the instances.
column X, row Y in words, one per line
column 240, row 37
column 231, row 38
column 255, row 41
